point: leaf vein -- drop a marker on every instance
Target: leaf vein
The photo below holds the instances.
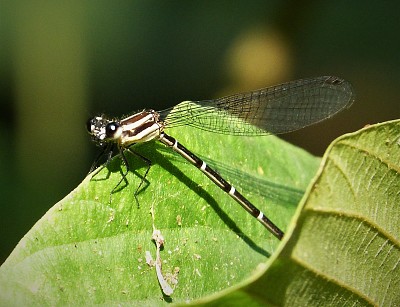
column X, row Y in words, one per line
column 363, row 219
column 368, row 152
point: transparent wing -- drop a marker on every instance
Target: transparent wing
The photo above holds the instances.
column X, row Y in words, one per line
column 276, row 109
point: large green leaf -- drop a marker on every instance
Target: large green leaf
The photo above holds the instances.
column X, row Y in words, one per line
column 91, row 248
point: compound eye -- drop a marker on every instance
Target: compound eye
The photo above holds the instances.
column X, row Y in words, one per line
column 89, row 124
column 111, row 128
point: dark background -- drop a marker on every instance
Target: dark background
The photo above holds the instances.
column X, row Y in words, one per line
column 61, row 62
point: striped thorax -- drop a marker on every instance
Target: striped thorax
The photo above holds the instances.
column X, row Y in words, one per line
column 137, row 128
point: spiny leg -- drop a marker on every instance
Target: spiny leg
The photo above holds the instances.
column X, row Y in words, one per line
column 123, row 177
column 107, row 150
column 145, row 160
column 124, row 174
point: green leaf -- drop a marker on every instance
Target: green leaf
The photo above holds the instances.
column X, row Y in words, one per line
column 87, row 248
column 344, row 248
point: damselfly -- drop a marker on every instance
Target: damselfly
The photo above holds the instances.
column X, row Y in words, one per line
column 271, row 110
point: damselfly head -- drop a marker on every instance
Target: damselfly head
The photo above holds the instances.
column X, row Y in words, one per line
column 102, row 130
